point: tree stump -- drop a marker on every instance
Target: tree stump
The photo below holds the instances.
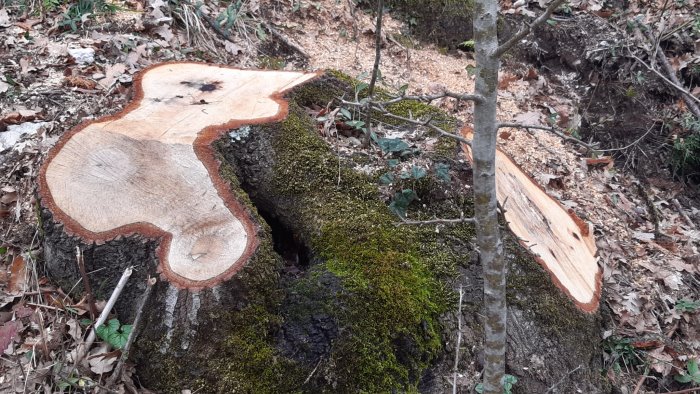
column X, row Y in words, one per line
column 143, row 188
column 281, row 267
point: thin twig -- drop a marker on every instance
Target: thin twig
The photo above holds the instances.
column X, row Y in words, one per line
column 682, row 90
column 437, row 221
column 375, row 69
column 427, row 123
column 528, row 28
column 459, row 341
column 84, row 347
column 88, row 289
column 378, row 49
column 132, row 335
column 690, row 100
column 563, row 378
column 640, row 382
column 550, row 129
column 432, row 97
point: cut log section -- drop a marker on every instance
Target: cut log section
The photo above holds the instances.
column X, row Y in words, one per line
column 562, row 243
column 150, row 169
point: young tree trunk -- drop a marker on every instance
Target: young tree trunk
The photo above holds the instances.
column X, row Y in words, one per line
column 485, row 198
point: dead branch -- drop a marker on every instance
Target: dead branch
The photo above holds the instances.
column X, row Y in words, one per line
column 459, row 341
column 690, row 100
column 132, row 335
column 684, row 92
column 86, row 282
column 375, row 69
column 83, row 348
column 552, row 130
column 528, row 28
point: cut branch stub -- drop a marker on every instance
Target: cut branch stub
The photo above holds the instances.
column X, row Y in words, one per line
column 151, row 170
column 562, row 243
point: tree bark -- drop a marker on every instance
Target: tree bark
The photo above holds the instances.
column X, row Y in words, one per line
column 485, row 198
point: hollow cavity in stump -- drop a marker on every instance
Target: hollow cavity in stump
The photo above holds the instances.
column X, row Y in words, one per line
column 151, row 170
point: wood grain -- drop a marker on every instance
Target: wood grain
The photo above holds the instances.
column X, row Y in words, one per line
column 151, row 170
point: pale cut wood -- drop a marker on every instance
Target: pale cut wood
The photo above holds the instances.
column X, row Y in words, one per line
column 562, row 242
column 150, row 169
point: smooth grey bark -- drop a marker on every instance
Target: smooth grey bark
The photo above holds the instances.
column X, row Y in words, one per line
column 488, row 54
column 488, row 236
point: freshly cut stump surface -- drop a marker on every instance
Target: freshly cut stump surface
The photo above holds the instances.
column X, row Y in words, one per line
column 562, row 242
column 151, row 170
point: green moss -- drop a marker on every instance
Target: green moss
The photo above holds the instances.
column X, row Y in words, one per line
column 392, row 293
column 545, row 302
column 393, row 283
column 271, row 62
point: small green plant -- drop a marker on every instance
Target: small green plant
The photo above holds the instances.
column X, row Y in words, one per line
column 50, row 5
column 685, row 157
column 619, row 353
column 399, row 204
column 442, row 171
column 507, row 382
column 687, row 305
column 467, row 45
column 271, row 62
column 691, row 375
column 82, row 10
column 112, row 332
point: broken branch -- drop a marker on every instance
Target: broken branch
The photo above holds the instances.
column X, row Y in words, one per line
column 132, row 334
column 82, row 350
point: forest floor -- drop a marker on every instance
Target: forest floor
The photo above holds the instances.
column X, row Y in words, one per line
column 64, row 65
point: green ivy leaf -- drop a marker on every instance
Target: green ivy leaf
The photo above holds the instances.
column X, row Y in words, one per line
column 471, row 70
column 346, row 114
column 386, row 179
column 442, row 171
column 418, row 172
column 401, row 201
column 392, row 145
column 114, row 333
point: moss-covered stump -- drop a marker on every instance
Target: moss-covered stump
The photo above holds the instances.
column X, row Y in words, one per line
column 337, row 297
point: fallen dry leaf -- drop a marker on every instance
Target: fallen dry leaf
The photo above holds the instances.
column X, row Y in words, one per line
column 80, row 82
column 18, row 276
column 8, row 332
